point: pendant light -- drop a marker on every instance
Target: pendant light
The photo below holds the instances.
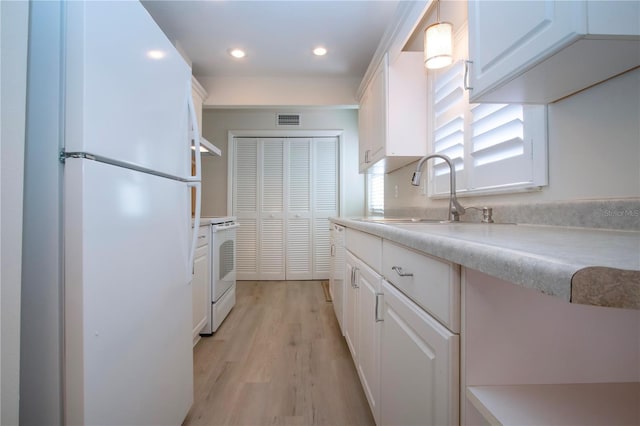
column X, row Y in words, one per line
column 438, row 43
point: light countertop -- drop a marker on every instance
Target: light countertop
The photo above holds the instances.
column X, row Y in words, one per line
column 544, row 258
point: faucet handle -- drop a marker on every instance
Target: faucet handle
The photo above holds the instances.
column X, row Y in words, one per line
column 487, row 213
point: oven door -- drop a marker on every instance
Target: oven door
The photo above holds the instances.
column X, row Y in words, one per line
column 224, row 260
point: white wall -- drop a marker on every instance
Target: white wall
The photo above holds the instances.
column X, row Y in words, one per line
column 594, row 151
column 276, row 91
column 14, row 25
column 218, row 122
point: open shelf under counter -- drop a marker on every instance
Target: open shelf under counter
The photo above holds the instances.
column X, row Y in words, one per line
column 558, row 404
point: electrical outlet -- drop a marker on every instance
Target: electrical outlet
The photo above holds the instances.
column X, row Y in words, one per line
column 395, row 191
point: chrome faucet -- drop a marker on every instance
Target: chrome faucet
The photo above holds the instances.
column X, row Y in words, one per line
column 455, row 209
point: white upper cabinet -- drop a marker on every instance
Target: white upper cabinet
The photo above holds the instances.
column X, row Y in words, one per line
column 392, row 118
column 540, row 51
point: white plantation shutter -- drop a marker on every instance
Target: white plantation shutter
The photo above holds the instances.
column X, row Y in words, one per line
column 495, row 147
column 450, row 107
column 375, row 194
column 503, row 138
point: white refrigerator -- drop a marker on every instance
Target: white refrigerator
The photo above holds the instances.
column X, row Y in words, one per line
column 128, row 128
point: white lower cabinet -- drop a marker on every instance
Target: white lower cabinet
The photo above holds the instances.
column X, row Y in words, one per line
column 402, row 331
column 351, row 310
column 200, row 284
column 362, row 329
column 419, row 365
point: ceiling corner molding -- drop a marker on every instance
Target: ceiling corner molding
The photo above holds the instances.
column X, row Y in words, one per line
column 198, row 88
column 408, row 15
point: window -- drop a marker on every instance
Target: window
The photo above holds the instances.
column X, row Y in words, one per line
column 495, row 147
column 375, row 194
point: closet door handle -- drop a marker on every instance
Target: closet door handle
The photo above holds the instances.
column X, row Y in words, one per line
column 333, row 250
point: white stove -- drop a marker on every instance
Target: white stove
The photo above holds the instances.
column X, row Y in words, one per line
column 223, row 270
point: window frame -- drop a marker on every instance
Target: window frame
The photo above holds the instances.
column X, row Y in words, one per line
column 372, row 210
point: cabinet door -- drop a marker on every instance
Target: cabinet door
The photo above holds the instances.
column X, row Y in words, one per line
column 419, row 365
column 199, row 290
column 368, row 361
column 351, row 316
column 337, row 281
column 378, row 113
column 364, row 129
column 505, row 38
column 372, row 122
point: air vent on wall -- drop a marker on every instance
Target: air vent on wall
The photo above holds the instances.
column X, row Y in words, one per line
column 288, row 120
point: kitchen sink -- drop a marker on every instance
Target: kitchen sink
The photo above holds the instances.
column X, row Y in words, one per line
column 418, row 221
column 399, row 220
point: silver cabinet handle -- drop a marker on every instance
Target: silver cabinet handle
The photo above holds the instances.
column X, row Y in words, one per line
column 378, row 318
column 466, row 75
column 400, row 272
column 355, row 278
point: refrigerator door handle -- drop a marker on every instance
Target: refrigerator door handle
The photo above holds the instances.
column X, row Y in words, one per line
column 194, row 180
column 195, row 137
column 196, row 226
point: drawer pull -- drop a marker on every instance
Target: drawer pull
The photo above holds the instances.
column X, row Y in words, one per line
column 400, row 272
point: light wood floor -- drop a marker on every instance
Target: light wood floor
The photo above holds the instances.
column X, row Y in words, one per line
column 278, row 359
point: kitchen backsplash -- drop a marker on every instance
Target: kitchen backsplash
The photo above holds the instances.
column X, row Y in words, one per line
column 623, row 214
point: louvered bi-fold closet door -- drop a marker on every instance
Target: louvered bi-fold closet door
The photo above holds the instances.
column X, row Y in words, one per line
column 325, row 202
column 284, row 191
column 271, row 258
column 245, row 207
column 299, row 199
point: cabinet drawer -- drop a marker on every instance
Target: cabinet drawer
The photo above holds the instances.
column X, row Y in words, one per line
column 203, row 235
column 434, row 284
column 201, row 251
column 366, row 246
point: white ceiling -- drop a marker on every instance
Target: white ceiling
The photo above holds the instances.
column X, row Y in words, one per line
column 278, row 36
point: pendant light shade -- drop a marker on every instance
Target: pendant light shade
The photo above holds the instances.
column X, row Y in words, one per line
column 438, row 43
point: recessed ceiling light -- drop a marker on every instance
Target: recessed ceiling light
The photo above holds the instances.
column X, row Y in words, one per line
column 156, row 54
column 319, row 51
column 237, row 53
